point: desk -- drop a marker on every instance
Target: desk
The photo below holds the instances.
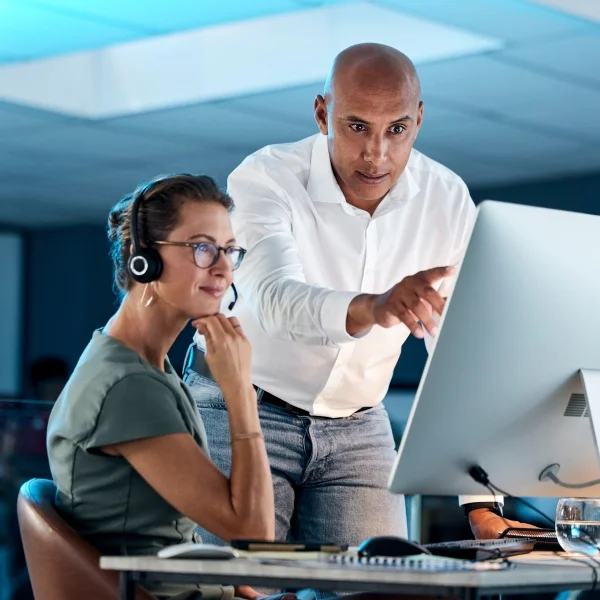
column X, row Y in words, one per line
column 469, row 585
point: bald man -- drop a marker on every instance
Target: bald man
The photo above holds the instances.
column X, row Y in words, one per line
column 351, row 236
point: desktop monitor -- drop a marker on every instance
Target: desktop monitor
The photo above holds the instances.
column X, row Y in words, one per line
column 512, row 382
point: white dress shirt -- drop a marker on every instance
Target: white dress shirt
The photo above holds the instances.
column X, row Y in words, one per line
column 310, row 253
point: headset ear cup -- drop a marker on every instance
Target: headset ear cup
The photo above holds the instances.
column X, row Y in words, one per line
column 145, row 265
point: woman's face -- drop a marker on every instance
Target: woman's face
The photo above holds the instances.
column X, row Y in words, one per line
column 194, row 291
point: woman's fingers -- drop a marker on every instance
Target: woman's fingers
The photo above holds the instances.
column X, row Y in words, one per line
column 237, row 327
column 211, row 329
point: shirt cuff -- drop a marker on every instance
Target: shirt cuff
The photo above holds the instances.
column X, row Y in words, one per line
column 462, row 500
column 334, row 314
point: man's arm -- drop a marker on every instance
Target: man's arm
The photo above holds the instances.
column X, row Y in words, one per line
column 271, row 278
column 273, row 283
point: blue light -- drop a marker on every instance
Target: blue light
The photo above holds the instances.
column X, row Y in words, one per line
column 53, row 27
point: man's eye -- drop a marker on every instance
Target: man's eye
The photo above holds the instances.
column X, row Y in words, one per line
column 396, row 129
column 357, row 127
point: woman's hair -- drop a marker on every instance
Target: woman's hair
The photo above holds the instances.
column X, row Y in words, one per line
column 158, row 214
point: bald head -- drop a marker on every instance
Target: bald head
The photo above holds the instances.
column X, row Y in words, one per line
column 372, row 68
column 371, row 112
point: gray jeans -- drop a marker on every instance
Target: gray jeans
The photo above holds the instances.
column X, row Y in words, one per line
column 329, row 475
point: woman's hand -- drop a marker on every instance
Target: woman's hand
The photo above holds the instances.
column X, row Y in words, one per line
column 228, row 354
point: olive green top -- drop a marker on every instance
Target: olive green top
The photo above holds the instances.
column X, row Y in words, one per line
column 114, row 396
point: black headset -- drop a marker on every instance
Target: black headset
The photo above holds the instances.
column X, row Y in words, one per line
column 145, row 264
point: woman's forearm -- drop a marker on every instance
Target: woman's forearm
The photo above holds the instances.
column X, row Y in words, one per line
column 251, row 486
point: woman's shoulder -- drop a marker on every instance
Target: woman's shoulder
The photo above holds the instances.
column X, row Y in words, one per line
column 106, row 361
column 105, row 368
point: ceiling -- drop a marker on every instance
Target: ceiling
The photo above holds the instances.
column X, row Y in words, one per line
column 511, row 91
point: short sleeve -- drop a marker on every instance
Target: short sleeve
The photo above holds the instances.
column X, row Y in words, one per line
column 136, row 407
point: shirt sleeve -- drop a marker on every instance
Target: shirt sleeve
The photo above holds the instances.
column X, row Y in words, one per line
column 462, row 500
column 136, row 407
column 271, row 279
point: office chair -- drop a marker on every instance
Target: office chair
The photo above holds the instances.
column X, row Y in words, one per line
column 61, row 564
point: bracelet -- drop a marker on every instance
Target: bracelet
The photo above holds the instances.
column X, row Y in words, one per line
column 247, row 436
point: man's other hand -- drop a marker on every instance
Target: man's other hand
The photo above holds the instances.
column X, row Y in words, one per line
column 486, row 524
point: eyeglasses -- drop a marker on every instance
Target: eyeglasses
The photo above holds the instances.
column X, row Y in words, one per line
column 206, row 255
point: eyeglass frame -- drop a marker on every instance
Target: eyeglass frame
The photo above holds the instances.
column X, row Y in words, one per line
column 195, row 245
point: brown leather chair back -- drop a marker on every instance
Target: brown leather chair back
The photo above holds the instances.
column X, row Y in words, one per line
column 61, row 564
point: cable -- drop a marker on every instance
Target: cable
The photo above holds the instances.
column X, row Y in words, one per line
column 551, row 473
column 479, row 475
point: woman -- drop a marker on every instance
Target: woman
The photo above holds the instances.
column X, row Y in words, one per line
column 126, row 444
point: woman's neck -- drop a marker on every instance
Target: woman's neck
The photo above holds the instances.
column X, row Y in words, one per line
column 148, row 330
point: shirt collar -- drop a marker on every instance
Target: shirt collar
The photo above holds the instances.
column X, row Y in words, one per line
column 323, row 187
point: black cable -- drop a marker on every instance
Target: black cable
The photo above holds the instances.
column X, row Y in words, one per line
column 523, row 502
column 480, row 476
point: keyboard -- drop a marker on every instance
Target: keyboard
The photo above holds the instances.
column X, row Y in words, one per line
column 482, row 549
column 514, row 540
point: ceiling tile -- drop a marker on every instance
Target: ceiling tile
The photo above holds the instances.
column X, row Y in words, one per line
column 293, row 105
column 82, row 142
column 505, row 19
column 31, row 31
column 219, row 124
column 486, row 85
column 17, row 117
column 577, row 57
column 496, row 141
column 565, row 114
column 171, row 15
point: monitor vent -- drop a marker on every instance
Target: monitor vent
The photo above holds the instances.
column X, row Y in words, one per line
column 577, row 406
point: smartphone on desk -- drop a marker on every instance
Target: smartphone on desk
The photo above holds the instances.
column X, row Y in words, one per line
column 262, row 546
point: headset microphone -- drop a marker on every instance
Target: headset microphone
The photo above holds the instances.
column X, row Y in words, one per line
column 235, row 297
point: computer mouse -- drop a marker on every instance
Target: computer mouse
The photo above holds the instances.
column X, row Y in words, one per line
column 390, row 546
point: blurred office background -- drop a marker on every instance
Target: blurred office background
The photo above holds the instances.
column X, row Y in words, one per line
column 98, row 95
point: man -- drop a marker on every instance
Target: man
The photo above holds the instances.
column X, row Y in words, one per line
column 351, row 237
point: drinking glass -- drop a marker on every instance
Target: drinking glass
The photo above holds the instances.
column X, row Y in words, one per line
column 578, row 525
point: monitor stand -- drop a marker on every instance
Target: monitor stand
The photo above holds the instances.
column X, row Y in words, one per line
column 590, row 379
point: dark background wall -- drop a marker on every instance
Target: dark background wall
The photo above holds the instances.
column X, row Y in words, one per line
column 69, row 294
column 69, row 280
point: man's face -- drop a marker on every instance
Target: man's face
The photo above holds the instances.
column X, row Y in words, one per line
column 370, row 136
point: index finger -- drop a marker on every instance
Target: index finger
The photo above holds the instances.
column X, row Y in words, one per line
column 213, row 330
column 437, row 273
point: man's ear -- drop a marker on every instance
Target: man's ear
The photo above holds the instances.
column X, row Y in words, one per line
column 420, row 116
column 321, row 114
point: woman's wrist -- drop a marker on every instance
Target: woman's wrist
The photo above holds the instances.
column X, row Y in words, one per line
column 242, row 410
column 239, row 395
